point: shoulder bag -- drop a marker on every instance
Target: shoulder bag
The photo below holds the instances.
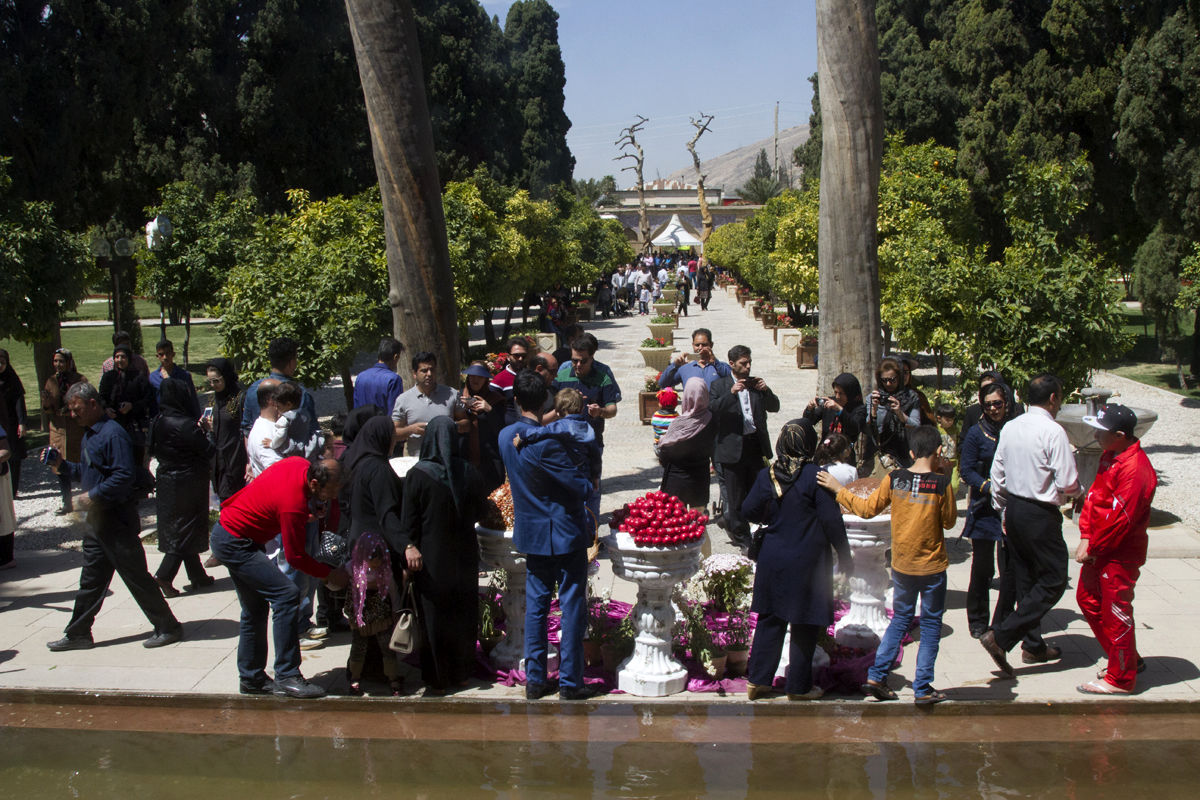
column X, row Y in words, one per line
column 407, row 635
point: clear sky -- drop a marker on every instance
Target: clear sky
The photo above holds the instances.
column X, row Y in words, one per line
column 668, row 60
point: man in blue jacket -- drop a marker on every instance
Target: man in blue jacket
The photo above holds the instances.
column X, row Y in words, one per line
column 550, row 527
column 106, row 470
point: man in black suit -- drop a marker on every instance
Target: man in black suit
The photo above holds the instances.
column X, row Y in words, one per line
column 739, row 405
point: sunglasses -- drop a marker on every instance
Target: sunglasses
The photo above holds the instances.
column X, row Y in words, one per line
column 994, row 404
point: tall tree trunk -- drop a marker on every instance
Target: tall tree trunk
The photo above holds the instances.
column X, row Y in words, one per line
column 348, row 386
column 187, row 338
column 706, row 220
column 43, row 365
column 489, row 329
column 421, row 289
column 507, row 332
column 851, row 154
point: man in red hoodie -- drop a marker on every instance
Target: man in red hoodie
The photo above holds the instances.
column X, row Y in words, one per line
column 1112, row 547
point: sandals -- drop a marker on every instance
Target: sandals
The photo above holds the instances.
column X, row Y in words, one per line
column 880, row 691
column 933, row 696
column 1100, row 687
column 1141, row 667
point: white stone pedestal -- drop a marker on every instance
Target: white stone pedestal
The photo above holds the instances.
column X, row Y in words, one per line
column 496, row 550
column 651, row 671
column 864, row 624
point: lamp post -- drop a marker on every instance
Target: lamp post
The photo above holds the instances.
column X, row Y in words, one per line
column 158, row 232
column 115, row 253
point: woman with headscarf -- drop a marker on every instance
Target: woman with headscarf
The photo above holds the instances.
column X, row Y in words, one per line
column 793, row 585
column 485, row 411
column 686, row 447
column 12, row 417
column 223, row 423
column 375, row 489
column 443, row 499
column 894, row 408
column 128, row 397
column 183, row 451
column 843, row 412
column 66, row 433
column 8, row 515
column 983, row 520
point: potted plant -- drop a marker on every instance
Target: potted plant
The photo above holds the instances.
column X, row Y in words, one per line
column 616, row 642
column 599, row 620
column 782, row 320
column 656, row 352
column 743, row 294
column 707, row 651
column 737, row 642
column 491, row 613
column 648, row 398
column 806, row 353
column 662, row 326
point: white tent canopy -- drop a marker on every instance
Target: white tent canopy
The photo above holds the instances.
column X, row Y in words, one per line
column 675, row 234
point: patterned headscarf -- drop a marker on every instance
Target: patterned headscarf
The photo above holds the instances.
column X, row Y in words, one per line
column 694, row 415
column 795, row 447
column 369, row 545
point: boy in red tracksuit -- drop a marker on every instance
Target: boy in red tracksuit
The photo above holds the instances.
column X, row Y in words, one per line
column 1112, row 548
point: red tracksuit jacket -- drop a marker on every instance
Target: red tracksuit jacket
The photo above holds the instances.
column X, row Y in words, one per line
column 1117, row 509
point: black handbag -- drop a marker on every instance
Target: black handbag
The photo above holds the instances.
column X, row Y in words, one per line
column 332, row 549
column 756, row 542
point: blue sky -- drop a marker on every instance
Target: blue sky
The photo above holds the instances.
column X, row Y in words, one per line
column 668, row 60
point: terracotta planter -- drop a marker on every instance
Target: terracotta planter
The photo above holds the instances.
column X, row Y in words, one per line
column 656, row 358
column 611, row 655
column 647, row 405
column 806, row 355
column 592, row 654
column 736, row 659
column 758, row 312
column 719, row 664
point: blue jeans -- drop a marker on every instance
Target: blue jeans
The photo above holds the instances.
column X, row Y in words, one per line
column 306, row 583
column 261, row 588
column 569, row 571
column 932, row 591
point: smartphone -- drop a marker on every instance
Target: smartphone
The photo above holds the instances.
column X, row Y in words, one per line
column 49, row 454
column 207, row 414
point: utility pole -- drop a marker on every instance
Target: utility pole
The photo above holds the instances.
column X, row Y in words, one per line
column 777, row 140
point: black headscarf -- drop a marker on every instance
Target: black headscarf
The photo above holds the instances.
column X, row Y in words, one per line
column 853, row 389
column 355, row 421
column 992, row 429
column 440, row 459
column 374, row 439
column 229, row 374
column 795, row 447
column 174, row 399
column 10, row 383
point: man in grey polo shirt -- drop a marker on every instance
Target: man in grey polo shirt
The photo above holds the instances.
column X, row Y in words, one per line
column 424, row 401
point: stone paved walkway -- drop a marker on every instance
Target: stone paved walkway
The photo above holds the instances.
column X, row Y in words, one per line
column 36, row 597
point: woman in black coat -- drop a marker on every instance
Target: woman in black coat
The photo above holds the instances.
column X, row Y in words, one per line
column 181, row 494
column 793, row 585
column 12, row 417
column 375, row 489
column 443, row 499
column 128, row 398
column 223, row 424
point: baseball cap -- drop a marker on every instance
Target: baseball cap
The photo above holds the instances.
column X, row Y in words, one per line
column 1115, row 418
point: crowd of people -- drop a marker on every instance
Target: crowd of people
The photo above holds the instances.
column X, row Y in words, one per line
column 319, row 530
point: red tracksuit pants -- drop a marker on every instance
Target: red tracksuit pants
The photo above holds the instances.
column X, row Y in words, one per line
column 1105, row 596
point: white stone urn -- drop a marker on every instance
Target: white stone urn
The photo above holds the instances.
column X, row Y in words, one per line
column 496, row 550
column 864, row 624
column 651, row 671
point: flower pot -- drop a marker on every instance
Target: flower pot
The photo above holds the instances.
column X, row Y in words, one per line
column 719, row 664
column 758, row 312
column 488, row 643
column 611, row 656
column 663, row 308
column 736, row 659
column 656, row 358
column 806, row 355
column 664, row 331
column 592, row 653
column 647, row 405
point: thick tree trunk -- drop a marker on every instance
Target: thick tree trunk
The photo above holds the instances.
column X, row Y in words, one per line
column 421, row 291
column 851, row 153
column 348, row 386
column 43, row 365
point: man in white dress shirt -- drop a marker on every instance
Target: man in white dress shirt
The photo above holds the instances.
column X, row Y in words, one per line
column 1033, row 474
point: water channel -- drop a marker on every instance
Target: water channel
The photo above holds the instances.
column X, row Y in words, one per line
column 216, row 747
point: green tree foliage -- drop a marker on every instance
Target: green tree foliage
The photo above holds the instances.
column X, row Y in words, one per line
column 794, row 258
column 46, row 269
column 316, row 273
column 593, row 191
column 808, row 155
column 728, row 247
column 539, row 76
column 188, row 269
column 1156, row 278
column 763, row 185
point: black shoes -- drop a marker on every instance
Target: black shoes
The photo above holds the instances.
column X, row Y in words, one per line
column 164, row 638
column 263, row 686
column 977, row 632
column 296, row 686
column 167, row 589
column 536, row 691
column 202, row 582
column 71, row 643
column 576, row 693
column 879, row 690
column 988, row 640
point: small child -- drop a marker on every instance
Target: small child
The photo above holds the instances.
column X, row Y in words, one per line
column 922, row 507
column 837, row 456
column 644, row 300
column 668, row 401
column 574, row 432
column 947, row 420
column 371, row 605
column 290, row 426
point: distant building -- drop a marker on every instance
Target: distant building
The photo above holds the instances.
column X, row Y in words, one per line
column 664, row 198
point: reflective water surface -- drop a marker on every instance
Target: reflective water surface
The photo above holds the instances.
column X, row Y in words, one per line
column 345, row 749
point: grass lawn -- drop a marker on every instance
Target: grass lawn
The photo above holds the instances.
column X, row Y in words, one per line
column 98, row 310
column 1141, row 362
column 91, row 346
